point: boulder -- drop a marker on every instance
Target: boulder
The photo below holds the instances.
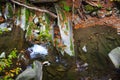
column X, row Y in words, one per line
column 32, row 73
column 114, row 55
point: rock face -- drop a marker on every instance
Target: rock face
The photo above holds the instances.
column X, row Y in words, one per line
column 12, row 39
column 92, row 45
column 99, row 41
column 32, row 73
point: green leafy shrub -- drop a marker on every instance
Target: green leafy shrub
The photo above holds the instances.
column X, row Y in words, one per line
column 89, row 8
column 8, row 68
column 45, row 36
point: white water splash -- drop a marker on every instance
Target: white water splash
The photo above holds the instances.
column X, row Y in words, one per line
column 23, row 18
column 4, row 27
column 66, row 33
column 2, row 55
column 37, row 50
column 6, row 12
column 17, row 21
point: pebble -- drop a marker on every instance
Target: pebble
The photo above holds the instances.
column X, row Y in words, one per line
column 93, row 14
column 100, row 14
column 108, row 13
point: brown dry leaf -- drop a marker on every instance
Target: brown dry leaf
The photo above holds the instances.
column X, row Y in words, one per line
column 55, row 32
column 60, row 44
column 78, row 26
column 1, row 19
column 58, row 36
column 30, row 18
column 12, row 71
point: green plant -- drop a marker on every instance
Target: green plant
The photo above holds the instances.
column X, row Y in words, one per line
column 45, row 36
column 12, row 54
column 65, row 6
column 1, row 31
column 10, row 10
column 89, row 8
column 7, row 66
column 99, row 6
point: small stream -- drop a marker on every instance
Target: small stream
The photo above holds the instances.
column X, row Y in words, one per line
column 98, row 41
column 91, row 61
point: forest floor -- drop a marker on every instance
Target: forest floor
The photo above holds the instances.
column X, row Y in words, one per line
column 104, row 17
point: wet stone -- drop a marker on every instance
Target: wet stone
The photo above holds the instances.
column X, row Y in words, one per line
column 99, row 41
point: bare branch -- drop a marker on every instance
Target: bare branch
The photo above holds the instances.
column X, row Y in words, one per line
column 92, row 3
column 34, row 8
column 42, row 1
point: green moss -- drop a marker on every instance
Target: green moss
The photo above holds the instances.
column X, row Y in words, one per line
column 10, row 10
column 99, row 6
column 47, row 18
column 1, row 31
column 72, row 47
column 27, row 13
column 65, row 6
column 89, row 8
column 45, row 36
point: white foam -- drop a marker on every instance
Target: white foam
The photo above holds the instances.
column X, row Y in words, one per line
column 37, row 50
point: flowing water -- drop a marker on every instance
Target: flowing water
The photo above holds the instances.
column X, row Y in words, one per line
column 91, row 61
column 91, row 44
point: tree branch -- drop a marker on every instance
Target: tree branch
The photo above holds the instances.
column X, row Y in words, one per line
column 34, row 8
column 42, row 1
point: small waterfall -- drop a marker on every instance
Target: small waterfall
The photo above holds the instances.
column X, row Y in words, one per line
column 37, row 51
column 65, row 31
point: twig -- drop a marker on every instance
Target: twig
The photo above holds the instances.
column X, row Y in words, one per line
column 92, row 3
column 73, row 8
column 80, row 14
column 34, row 8
column 42, row 1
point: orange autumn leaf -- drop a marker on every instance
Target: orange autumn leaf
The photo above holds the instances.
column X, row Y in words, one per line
column 12, row 71
column 78, row 26
column 1, row 19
